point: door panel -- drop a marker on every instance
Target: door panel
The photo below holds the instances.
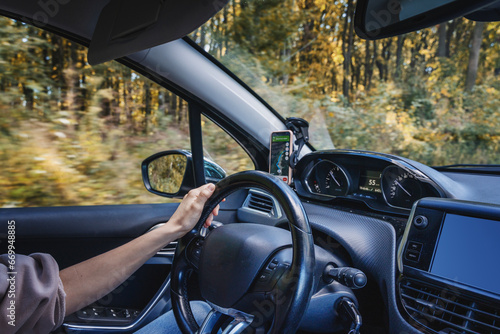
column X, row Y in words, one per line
column 74, row 234
column 87, row 221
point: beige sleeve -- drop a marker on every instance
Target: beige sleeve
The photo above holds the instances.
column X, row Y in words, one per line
column 32, row 298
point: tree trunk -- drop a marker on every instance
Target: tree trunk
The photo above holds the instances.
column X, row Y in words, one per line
column 173, row 105
column 28, row 97
column 147, row 98
column 449, row 36
column 233, row 6
column 399, row 56
column 477, row 37
column 356, row 76
column 372, row 66
column 308, row 33
column 286, row 59
column 374, row 58
column 203, row 34
column 225, row 28
column 347, row 48
column 368, row 65
column 386, row 56
column 441, row 50
column 147, row 105
column 219, row 33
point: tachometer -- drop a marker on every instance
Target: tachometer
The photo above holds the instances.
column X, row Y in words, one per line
column 328, row 178
column 400, row 187
column 336, row 181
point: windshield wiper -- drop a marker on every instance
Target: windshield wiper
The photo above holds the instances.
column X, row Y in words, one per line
column 470, row 168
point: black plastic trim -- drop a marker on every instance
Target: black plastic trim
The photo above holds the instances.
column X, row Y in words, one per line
column 196, row 134
column 473, row 169
column 465, row 208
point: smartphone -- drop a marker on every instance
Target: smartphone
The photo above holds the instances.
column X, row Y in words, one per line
column 280, row 150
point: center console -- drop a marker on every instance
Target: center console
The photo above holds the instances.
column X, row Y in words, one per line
column 449, row 267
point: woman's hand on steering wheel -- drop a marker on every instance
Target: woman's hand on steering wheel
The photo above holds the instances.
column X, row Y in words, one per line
column 189, row 211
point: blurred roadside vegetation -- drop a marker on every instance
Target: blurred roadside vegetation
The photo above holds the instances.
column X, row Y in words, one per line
column 71, row 134
column 431, row 95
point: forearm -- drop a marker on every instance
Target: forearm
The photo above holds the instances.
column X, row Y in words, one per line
column 92, row 279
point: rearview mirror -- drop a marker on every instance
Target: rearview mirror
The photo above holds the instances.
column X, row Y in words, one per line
column 375, row 19
column 170, row 173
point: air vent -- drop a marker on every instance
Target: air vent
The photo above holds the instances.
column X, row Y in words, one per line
column 445, row 310
column 262, row 202
column 168, row 249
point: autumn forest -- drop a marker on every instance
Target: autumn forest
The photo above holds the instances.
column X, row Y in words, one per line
column 431, row 95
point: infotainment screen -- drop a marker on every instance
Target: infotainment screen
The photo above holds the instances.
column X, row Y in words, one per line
column 468, row 251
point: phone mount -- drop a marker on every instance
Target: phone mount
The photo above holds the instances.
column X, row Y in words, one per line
column 300, row 129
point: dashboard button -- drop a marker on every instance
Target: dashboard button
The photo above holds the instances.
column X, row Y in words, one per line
column 420, row 222
column 265, row 275
column 416, row 246
column 412, row 255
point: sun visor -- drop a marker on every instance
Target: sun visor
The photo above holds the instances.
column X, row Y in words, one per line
column 128, row 26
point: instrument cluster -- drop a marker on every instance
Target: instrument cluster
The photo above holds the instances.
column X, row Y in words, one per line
column 381, row 181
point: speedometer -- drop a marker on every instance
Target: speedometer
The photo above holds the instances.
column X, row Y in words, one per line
column 328, row 178
column 400, row 187
column 336, row 181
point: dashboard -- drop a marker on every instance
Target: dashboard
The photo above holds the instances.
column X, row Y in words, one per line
column 382, row 182
column 413, row 230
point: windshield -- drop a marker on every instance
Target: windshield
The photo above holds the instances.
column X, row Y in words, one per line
column 431, row 96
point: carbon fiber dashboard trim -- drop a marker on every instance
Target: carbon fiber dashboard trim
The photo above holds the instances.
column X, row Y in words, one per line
column 371, row 243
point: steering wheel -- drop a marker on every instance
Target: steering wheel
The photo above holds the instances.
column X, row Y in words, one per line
column 248, row 273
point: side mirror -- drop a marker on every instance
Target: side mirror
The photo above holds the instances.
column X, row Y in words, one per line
column 170, row 173
column 377, row 19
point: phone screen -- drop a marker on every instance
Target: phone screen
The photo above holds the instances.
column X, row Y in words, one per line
column 280, row 151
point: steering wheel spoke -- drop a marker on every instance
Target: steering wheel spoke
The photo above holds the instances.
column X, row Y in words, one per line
column 236, row 326
column 240, row 322
column 193, row 251
column 210, row 322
